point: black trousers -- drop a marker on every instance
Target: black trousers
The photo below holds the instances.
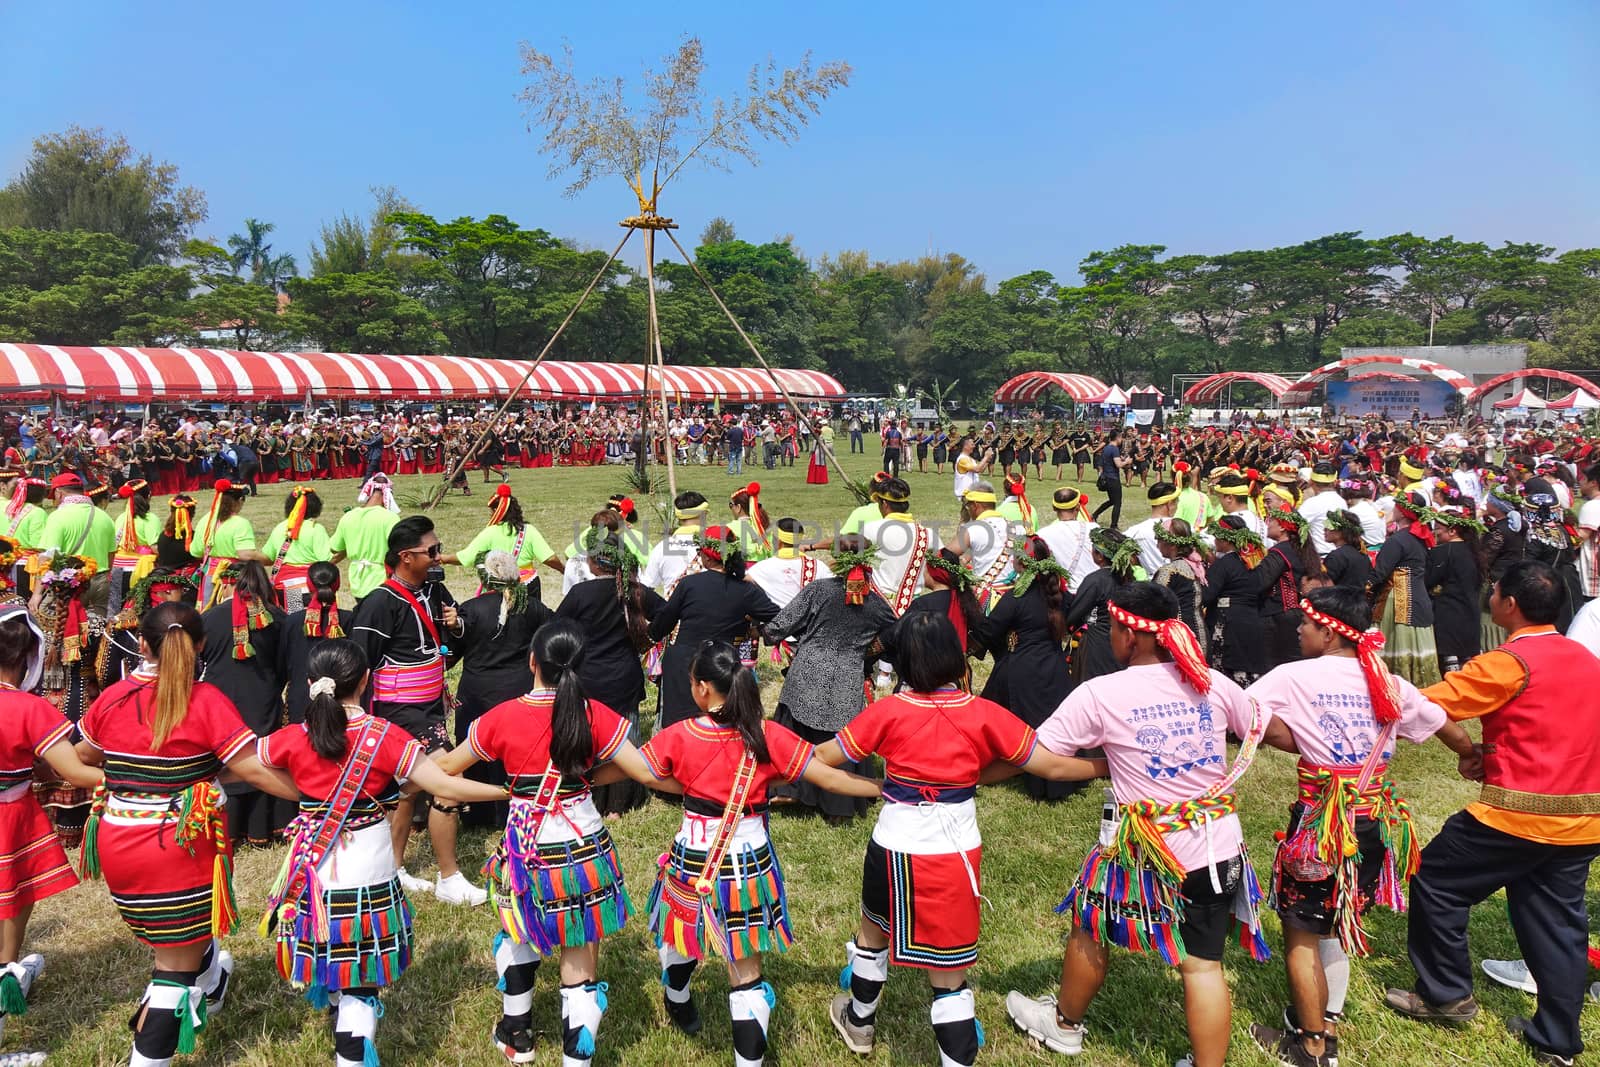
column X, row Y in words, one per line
column 1113, row 500
column 1544, row 887
column 891, row 461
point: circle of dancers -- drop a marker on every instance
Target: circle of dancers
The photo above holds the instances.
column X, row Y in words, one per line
column 175, row 689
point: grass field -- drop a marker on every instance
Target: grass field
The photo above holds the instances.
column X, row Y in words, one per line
column 441, row 1012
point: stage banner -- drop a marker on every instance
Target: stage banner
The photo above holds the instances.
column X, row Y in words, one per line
column 1391, row 398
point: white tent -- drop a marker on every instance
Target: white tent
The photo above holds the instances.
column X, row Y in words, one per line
column 1577, row 400
column 1526, row 398
column 1114, row 397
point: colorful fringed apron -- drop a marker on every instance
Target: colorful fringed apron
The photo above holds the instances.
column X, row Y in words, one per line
column 1325, row 844
column 556, row 894
column 1129, row 892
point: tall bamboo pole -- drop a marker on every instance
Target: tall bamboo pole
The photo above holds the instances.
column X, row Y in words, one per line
column 654, row 331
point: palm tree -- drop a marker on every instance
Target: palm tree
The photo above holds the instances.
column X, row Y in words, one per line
column 250, row 248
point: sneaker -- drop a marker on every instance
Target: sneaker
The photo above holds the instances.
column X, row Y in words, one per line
column 412, row 884
column 1594, row 992
column 1037, row 1017
column 457, row 890
column 215, row 997
column 1407, row 1003
column 1285, row 1047
column 1330, row 1042
column 1519, row 1027
column 858, row 1039
column 1513, row 973
column 517, row 1045
column 685, row 1016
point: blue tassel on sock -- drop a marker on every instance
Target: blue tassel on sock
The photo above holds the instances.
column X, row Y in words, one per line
column 771, row 995
column 978, row 1026
column 584, row 1045
column 369, row 1054
column 600, row 991
column 317, row 996
column 494, row 950
column 847, row 973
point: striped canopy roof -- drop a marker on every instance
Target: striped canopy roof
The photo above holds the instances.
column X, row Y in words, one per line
column 116, row 373
column 1211, row 388
column 1031, row 385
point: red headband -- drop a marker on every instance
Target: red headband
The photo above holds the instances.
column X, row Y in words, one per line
column 1176, row 638
column 1381, row 686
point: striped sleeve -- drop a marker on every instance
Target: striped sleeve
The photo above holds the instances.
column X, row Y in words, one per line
column 610, row 731
column 410, row 755
column 789, row 752
column 234, row 746
column 658, row 752
column 60, row 731
column 264, row 751
column 475, row 738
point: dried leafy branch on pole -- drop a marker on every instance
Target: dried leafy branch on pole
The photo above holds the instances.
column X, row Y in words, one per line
column 595, row 129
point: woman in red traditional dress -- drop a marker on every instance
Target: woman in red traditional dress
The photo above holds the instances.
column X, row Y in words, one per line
column 158, row 833
column 32, row 863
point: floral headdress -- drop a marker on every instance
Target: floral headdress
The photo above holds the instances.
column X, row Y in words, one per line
column 951, row 572
column 1457, row 518
column 63, row 578
column 1167, row 535
column 1293, row 520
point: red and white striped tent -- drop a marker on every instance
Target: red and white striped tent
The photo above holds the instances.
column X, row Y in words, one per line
column 1211, row 389
column 1527, row 398
column 1140, row 390
column 1577, row 400
column 117, row 373
column 1031, row 385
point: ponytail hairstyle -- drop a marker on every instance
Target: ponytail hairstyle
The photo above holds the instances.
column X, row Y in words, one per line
column 557, row 654
column 322, row 613
column 748, row 500
column 717, row 663
column 1030, row 552
column 335, row 669
column 175, row 635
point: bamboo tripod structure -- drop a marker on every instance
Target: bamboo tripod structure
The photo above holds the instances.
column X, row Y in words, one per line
column 650, row 223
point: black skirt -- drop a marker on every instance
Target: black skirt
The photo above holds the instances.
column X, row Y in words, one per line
column 804, row 794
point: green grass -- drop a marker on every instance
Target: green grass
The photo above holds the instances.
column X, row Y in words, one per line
column 441, row 1012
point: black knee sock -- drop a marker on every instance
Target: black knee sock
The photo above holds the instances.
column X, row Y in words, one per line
column 157, row 1036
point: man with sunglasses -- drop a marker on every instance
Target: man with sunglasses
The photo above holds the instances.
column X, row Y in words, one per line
column 405, row 627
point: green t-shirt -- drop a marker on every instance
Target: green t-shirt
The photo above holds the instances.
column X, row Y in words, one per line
column 30, row 526
column 502, row 538
column 232, row 536
column 860, row 517
column 65, row 529
column 363, row 535
column 147, row 529
column 750, row 542
column 1011, row 511
column 1191, row 509
column 312, row 546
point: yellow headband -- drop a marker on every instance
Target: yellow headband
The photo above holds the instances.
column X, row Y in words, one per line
column 887, row 499
column 1232, row 490
column 1416, row 473
column 1156, row 502
column 689, row 513
column 1325, row 479
column 1067, row 505
column 978, row 497
column 784, row 537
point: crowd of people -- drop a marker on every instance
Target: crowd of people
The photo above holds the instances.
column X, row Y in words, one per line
column 180, row 687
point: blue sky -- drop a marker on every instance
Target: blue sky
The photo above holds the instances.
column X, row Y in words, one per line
column 1022, row 136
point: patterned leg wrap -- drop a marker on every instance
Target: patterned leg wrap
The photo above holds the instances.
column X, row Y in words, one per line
column 955, row 1026
column 355, row 1029
column 516, row 964
column 676, row 970
column 582, row 1005
column 750, row 1006
column 863, row 976
column 174, row 1012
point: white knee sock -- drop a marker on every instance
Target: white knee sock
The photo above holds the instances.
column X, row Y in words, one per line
column 582, row 1006
column 750, row 1008
column 174, row 1014
column 356, row 1027
column 516, row 964
column 1336, row 965
column 214, row 973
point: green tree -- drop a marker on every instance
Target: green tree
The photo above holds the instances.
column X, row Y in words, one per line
column 79, row 288
column 89, row 180
column 365, row 312
column 351, row 245
column 1113, row 316
column 251, row 251
column 249, row 316
column 718, row 231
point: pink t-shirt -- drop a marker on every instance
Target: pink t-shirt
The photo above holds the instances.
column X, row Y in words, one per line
column 1325, row 705
column 1164, row 741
